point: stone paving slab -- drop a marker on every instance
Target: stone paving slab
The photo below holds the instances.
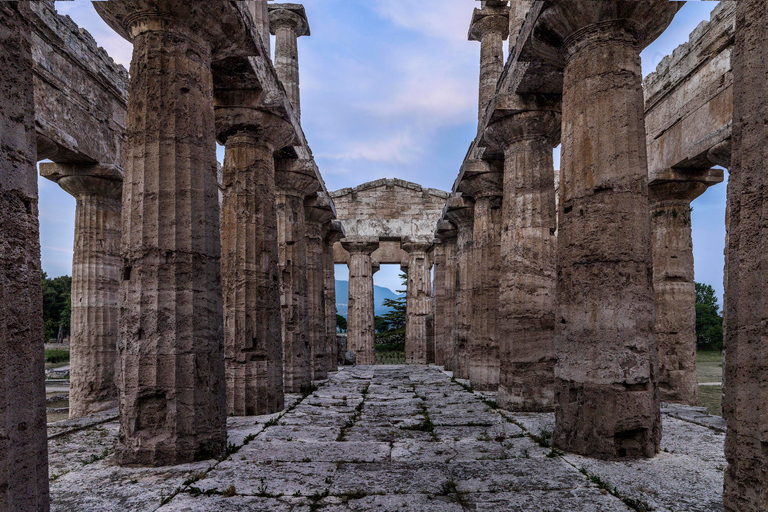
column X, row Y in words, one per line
column 394, row 438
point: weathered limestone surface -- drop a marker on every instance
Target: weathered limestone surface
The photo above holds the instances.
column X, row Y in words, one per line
column 253, row 343
column 333, row 233
column 673, row 283
column 95, row 283
column 490, row 26
column 354, row 445
column 360, row 311
column 746, row 369
column 288, row 22
column 295, row 181
column 527, row 280
column 319, row 212
column 460, row 211
column 23, row 448
column 445, row 294
column 419, row 302
column 171, row 383
column 483, row 182
column 605, row 378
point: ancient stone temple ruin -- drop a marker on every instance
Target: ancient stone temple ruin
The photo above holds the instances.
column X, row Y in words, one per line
column 550, row 322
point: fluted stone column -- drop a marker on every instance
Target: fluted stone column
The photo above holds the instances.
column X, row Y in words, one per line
column 527, row 275
column 288, row 22
column 23, row 436
column 746, row 276
column 674, row 287
column 607, row 402
column 460, row 211
column 295, row 181
column 445, row 294
column 95, row 283
column 360, row 311
column 333, row 233
column 253, row 343
column 490, row 26
column 171, row 383
column 484, row 184
column 418, row 301
column 319, row 213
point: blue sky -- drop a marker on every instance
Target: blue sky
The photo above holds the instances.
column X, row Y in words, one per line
column 389, row 89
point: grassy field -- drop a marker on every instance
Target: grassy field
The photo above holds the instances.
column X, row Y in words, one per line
column 709, row 367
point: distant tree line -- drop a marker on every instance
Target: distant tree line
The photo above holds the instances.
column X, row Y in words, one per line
column 709, row 323
column 57, row 306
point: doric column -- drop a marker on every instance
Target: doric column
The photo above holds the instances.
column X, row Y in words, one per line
column 527, row 274
column 746, row 275
column 673, row 284
column 318, row 214
column 288, row 22
column 295, row 181
column 171, row 340
column 445, row 294
column 334, row 232
column 484, row 183
column 23, row 437
column 418, row 301
column 460, row 211
column 606, row 397
column 253, row 341
column 95, row 283
column 490, row 26
column 360, row 311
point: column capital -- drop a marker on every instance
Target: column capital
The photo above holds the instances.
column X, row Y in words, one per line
column 289, row 15
column 446, row 231
column 678, row 186
column 480, row 179
column 237, row 111
column 296, row 177
column 570, row 26
column 82, row 180
column 231, row 35
column 493, row 17
column 412, row 246
column 334, row 231
column 459, row 209
column 360, row 246
column 318, row 209
column 517, row 118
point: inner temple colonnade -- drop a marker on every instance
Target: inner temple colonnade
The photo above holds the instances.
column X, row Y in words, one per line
column 203, row 291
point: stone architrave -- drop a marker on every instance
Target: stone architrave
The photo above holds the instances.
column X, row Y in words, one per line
column 318, row 213
column 333, row 233
column 253, row 340
column 746, row 276
column 518, row 10
column 490, row 26
column 295, row 181
column 288, row 22
column 673, row 283
column 527, row 270
column 484, row 183
column 445, row 294
column 360, row 310
column 607, row 402
column 418, row 301
column 95, row 282
column 460, row 211
column 23, row 437
column 171, row 340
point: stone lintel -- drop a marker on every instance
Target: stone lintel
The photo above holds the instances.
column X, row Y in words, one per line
column 493, row 17
column 232, row 34
column 293, row 15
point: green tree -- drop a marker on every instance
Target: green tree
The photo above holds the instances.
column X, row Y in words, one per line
column 709, row 323
column 396, row 316
column 380, row 324
column 57, row 305
column 341, row 323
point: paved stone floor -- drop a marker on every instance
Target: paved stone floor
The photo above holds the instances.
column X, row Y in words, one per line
column 392, row 438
